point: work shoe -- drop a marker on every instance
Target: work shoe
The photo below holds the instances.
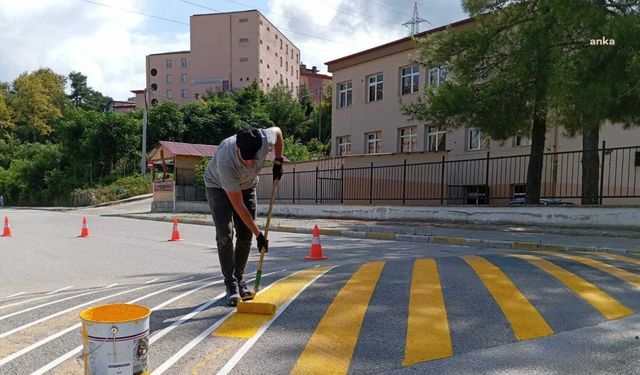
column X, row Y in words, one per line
column 232, row 295
column 245, row 293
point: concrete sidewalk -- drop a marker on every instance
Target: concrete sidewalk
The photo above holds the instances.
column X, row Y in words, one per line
column 490, row 235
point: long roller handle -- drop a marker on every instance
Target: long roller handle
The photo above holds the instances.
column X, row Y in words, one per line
column 266, row 233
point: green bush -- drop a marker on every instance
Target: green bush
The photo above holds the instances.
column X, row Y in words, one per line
column 120, row 189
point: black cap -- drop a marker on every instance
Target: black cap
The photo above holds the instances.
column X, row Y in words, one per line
column 249, row 141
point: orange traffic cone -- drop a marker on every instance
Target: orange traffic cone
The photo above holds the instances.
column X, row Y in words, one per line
column 175, row 234
column 7, row 229
column 315, row 252
column 85, row 229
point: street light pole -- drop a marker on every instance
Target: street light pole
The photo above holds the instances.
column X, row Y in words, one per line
column 145, row 109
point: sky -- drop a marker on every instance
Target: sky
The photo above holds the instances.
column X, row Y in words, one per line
column 107, row 40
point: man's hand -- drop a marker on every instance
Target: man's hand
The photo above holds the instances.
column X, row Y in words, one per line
column 277, row 168
column 262, row 243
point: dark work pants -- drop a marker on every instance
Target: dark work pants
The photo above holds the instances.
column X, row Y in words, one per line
column 232, row 262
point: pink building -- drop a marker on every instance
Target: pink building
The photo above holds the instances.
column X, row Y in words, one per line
column 315, row 83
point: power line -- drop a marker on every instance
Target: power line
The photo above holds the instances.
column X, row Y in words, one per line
column 134, row 12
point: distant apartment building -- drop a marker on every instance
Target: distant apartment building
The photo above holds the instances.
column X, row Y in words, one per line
column 314, row 82
column 228, row 52
column 366, row 118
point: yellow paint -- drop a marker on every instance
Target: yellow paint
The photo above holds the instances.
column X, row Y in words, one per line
column 621, row 274
column 601, row 301
column 331, row 345
column 428, row 336
column 116, row 313
column 525, row 245
column 552, row 247
column 618, row 257
column 380, row 236
column 247, row 325
column 525, row 320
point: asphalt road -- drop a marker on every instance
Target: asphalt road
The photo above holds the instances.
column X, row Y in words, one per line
column 374, row 307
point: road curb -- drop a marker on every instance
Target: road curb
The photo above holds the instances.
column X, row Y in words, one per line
column 393, row 236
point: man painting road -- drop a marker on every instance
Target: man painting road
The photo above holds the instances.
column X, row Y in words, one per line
column 230, row 179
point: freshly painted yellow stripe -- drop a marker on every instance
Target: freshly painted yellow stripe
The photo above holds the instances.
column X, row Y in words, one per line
column 525, row 320
column 601, row 301
column 331, row 345
column 617, row 257
column 428, row 336
column 247, row 325
column 621, row 274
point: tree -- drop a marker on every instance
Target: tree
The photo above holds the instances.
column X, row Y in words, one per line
column 166, row 123
column 38, row 100
column 602, row 83
column 7, row 126
column 285, row 111
column 85, row 97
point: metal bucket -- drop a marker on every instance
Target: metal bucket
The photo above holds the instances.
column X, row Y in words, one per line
column 115, row 339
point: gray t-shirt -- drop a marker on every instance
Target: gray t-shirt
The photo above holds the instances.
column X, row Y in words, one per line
column 226, row 170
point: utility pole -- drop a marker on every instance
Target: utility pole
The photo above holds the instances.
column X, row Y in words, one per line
column 145, row 109
column 415, row 21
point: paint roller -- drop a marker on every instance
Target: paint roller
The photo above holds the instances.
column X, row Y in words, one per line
column 253, row 307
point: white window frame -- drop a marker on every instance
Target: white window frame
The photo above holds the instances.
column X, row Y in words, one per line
column 244, row 59
column 412, row 137
column 375, row 82
column 183, row 93
column 437, row 134
column 412, row 74
column 168, row 63
column 375, row 139
column 169, row 79
column 183, row 77
column 440, row 77
column 472, row 135
column 169, row 94
column 183, row 62
column 244, row 40
column 343, row 145
column 345, row 94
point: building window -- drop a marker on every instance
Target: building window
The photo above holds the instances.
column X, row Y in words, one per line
column 475, row 141
column 374, row 142
column 343, row 145
column 522, row 140
column 243, row 20
column 344, row 94
column 167, row 63
column 169, row 79
column 183, row 62
column 169, row 94
column 408, row 139
column 244, row 40
column 268, row 48
column 409, row 79
column 183, row 93
column 280, row 43
column 436, row 138
column 297, row 59
column 437, row 76
column 286, row 65
column 375, row 88
column 183, row 78
column 519, row 190
column 281, row 61
column 244, row 59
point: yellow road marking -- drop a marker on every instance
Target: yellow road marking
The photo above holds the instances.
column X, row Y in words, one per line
column 428, row 336
column 525, row 320
column 601, row 301
column 247, row 325
column 331, row 345
column 621, row 274
column 617, row 257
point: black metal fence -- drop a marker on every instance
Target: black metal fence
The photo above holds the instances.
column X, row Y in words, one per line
column 488, row 180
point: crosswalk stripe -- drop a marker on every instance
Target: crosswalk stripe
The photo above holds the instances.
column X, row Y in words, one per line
column 331, row 345
column 525, row 320
column 621, row 258
column 601, row 301
column 279, row 293
column 621, row 274
column 428, row 335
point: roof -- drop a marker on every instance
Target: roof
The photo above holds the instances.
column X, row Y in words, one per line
column 140, row 91
column 317, row 75
column 403, row 40
column 168, row 53
column 232, row 12
column 185, row 149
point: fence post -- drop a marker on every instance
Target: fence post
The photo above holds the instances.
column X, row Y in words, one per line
column 294, row 185
column 486, row 178
column 404, row 182
column 341, row 183
column 604, row 149
column 442, row 182
column 371, row 184
column 316, row 184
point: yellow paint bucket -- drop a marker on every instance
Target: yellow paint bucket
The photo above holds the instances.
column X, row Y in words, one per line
column 115, row 339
